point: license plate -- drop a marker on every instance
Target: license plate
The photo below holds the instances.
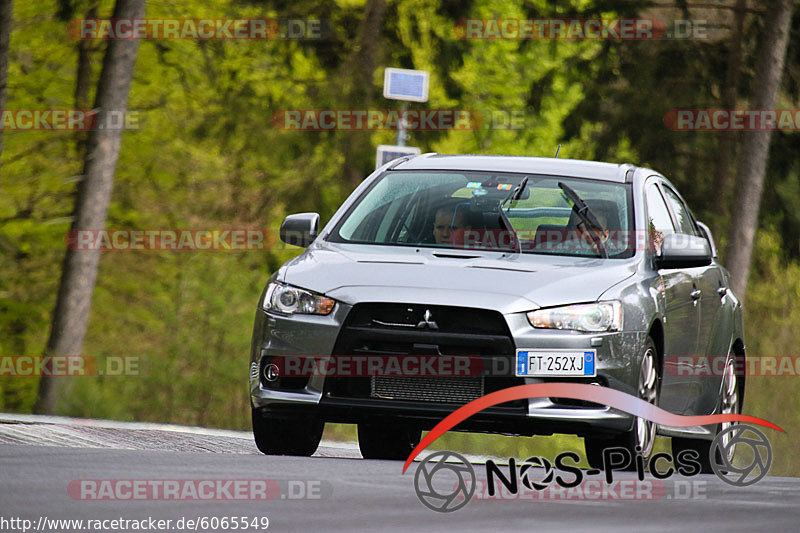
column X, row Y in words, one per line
column 542, row 363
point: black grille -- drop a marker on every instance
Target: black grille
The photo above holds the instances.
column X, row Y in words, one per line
column 394, row 329
column 463, row 320
column 400, row 329
column 427, row 389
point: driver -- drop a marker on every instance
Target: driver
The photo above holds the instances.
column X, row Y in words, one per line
column 447, row 221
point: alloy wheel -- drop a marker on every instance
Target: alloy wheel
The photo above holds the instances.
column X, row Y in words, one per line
column 648, row 391
column 730, row 403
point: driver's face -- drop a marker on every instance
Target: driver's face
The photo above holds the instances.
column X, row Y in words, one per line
column 444, row 224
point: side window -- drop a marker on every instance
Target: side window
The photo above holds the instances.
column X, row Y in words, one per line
column 685, row 224
column 660, row 223
column 657, row 210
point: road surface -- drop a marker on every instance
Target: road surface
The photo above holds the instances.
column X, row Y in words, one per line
column 58, row 469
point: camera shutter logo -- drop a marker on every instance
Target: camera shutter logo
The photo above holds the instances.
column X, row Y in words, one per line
column 455, row 482
column 539, row 462
column 761, row 451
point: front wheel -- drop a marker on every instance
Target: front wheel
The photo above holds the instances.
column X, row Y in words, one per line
column 643, row 434
column 284, row 436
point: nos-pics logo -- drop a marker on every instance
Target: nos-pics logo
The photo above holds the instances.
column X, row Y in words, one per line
column 445, row 481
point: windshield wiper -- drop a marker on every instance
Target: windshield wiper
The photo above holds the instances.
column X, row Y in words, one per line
column 587, row 218
column 516, row 193
column 513, row 195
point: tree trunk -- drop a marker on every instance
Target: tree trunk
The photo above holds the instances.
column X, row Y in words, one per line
column 755, row 150
column 726, row 145
column 6, row 11
column 361, row 68
column 366, row 57
column 79, row 272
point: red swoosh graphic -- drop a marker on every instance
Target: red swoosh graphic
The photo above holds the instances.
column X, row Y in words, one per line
column 578, row 391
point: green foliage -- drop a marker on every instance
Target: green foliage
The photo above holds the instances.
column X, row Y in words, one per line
column 772, row 312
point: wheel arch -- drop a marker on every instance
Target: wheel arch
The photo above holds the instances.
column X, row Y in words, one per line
column 738, row 351
column 656, row 332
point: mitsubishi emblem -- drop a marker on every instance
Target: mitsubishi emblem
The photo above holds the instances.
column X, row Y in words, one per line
column 427, row 321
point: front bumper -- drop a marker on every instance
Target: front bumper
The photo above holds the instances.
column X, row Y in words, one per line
column 307, row 335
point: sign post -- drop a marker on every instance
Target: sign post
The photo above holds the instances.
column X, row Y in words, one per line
column 408, row 86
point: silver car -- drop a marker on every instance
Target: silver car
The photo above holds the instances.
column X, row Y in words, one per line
column 539, row 269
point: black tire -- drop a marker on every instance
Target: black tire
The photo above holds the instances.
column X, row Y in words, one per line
column 630, row 439
column 594, row 449
column 700, row 446
column 387, row 441
column 283, row 436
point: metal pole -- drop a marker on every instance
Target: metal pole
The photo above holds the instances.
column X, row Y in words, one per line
column 401, row 126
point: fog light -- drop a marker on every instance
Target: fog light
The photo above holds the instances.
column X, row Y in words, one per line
column 271, row 372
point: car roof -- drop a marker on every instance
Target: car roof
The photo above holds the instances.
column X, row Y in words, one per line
column 523, row 164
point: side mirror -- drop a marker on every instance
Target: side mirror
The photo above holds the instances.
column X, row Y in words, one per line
column 710, row 238
column 683, row 251
column 300, row 229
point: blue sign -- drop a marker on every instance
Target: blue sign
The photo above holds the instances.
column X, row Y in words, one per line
column 404, row 84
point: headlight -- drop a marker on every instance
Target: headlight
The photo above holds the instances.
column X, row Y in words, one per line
column 601, row 316
column 289, row 300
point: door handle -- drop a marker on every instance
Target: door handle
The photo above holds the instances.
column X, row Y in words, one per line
column 695, row 294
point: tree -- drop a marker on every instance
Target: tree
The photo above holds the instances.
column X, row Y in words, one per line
column 755, row 149
column 6, row 9
column 361, row 67
column 726, row 147
column 79, row 271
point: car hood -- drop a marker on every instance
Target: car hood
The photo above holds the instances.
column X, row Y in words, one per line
column 506, row 282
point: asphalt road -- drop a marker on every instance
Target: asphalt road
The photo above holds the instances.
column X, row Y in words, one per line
column 42, row 463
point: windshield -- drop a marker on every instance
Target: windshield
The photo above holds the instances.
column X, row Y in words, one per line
column 443, row 209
